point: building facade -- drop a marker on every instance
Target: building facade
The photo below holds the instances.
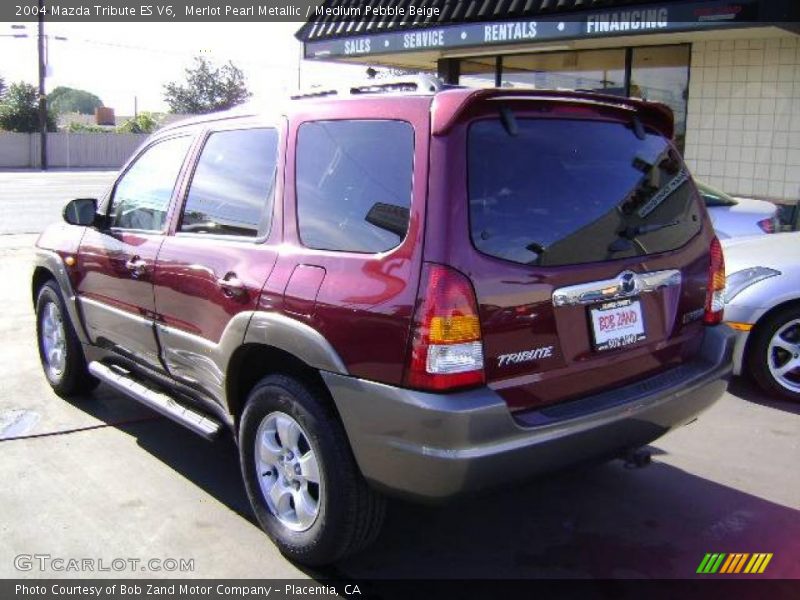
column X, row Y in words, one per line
column 730, row 70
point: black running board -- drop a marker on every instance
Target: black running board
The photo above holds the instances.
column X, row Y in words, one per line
column 158, row 401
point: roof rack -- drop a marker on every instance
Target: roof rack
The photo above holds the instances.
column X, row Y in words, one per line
column 420, row 84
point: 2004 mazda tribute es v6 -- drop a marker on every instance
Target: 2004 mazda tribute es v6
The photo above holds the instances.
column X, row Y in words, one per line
column 405, row 289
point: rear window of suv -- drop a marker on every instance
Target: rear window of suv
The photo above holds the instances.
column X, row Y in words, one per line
column 563, row 191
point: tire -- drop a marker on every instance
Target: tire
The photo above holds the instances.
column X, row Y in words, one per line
column 341, row 514
column 775, row 346
column 60, row 351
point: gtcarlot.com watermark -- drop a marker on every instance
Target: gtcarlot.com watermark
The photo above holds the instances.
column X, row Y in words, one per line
column 47, row 563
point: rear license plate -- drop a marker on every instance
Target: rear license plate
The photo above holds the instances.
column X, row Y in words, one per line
column 617, row 324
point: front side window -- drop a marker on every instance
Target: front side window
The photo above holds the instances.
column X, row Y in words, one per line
column 565, row 191
column 354, row 184
column 231, row 192
column 142, row 195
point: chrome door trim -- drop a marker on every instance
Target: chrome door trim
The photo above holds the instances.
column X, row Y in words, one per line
column 624, row 285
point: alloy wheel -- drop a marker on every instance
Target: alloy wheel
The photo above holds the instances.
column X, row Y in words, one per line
column 287, row 471
column 783, row 355
column 54, row 341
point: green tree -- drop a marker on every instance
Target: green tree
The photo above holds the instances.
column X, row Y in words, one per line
column 144, row 122
column 77, row 127
column 2, row 86
column 207, row 88
column 19, row 109
column 66, row 100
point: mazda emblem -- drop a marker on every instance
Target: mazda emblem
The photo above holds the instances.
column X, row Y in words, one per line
column 627, row 282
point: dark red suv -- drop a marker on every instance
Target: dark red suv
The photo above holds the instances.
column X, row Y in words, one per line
column 400, row 289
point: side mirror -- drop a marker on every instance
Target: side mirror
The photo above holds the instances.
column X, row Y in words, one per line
column 81, row 211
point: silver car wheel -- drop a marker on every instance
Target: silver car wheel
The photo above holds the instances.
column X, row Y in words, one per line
column 287, row 471
column 54, row 341
column 783, row 355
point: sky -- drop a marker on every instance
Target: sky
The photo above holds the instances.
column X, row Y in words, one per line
column 123, row 63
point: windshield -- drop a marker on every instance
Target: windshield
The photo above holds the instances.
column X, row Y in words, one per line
column 563, row 191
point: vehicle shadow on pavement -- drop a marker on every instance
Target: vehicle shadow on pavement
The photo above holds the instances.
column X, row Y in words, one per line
column 212, row 466
column 598, row 522
column 744, row 388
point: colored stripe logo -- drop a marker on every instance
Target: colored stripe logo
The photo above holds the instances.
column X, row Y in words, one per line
column 735, row 563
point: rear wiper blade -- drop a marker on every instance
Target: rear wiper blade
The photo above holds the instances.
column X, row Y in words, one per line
column 627, row 237
column 630, row 233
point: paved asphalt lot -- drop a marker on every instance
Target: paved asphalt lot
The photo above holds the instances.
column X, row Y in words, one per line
column 29, row 200
column 108, row 479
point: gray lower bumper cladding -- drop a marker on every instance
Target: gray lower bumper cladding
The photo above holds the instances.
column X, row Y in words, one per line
column 435, row 446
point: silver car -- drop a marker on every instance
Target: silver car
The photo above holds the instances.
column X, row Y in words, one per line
column 762, row 299
column 737, row 217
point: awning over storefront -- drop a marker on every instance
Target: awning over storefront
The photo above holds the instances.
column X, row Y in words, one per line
column 367, row 29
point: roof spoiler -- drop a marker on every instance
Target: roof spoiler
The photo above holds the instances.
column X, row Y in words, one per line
column 450, row 105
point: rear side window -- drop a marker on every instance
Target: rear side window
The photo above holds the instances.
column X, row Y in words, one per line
column 232, row 188
column 354, row 184
column 575, row 191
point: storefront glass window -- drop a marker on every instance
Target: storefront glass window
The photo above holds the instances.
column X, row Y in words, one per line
column 657, row 73
column 479, row 72
column 594, row 70
column 661, row 74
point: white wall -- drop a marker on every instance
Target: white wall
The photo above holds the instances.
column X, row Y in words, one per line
column 80, row 150
column 743, row 124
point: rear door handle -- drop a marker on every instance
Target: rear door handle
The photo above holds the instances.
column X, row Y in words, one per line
column 231, row 285
column 136, row 266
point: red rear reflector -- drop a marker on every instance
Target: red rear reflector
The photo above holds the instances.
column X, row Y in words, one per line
column 446, row 347
column 715, row 292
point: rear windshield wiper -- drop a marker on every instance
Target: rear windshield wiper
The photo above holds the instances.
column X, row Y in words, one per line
column 637, row 230
column 627, row 236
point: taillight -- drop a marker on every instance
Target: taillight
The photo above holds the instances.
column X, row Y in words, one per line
column 715, row 292
column 446, row 348
column 767, row 225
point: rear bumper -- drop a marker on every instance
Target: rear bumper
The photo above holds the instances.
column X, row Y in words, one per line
column 435, row 446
